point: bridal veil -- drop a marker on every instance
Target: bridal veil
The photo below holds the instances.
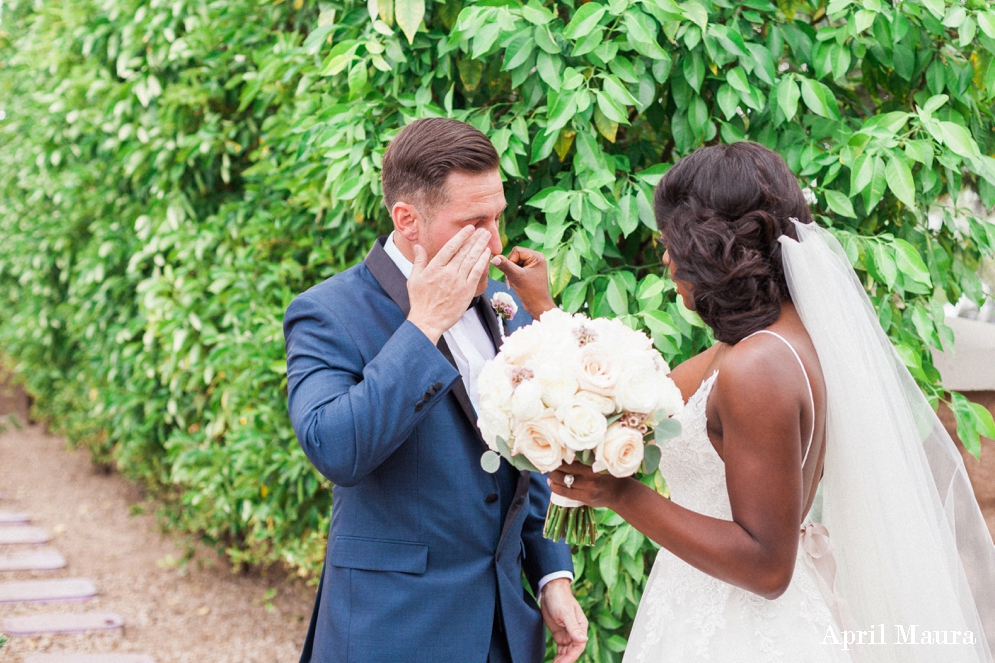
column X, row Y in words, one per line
column 909, row 538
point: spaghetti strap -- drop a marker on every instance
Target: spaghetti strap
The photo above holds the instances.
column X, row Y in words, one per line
column 808, row 384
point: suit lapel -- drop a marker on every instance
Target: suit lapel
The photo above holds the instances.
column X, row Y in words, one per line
column 491, row 321
column 388, row 275
column 395, row 285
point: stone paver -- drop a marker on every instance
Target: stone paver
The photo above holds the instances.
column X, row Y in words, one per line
column 89, row 658
column 44, row 591
column 23, row 534
column 37, row 559
column 14, row 518
column 44, row 624
column 32, row 559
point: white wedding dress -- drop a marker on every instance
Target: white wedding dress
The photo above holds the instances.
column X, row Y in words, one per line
column 687, row 615
column 909, row 543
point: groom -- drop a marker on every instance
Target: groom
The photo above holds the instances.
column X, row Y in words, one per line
column 426, row 549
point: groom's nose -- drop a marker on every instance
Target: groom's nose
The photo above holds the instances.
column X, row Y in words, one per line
column 495, row 244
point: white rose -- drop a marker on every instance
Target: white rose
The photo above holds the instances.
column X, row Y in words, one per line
column 583, row 425
column 494, row 424
column 670, row 399
column 494, row 384
column 558, row 379
column 621, row 453
column 602, row 404
column 536, row 440
column 526, row 401
column 599, row 368
column 522, row 345
column 556, row 321
column 639, row 389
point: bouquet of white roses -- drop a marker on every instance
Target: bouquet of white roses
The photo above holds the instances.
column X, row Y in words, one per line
column 570, row 388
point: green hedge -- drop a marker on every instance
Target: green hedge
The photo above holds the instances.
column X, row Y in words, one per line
column 175, row 172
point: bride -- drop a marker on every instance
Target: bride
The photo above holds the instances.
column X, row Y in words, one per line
column 802, row 387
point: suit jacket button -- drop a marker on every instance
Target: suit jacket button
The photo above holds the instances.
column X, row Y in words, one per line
column 491, row 499
column 418, row 406
column 438, row 386
column 426, row 397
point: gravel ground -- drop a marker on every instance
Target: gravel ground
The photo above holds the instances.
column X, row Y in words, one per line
column 193, row 612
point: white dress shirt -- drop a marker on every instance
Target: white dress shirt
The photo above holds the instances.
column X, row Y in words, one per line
column 471, row 346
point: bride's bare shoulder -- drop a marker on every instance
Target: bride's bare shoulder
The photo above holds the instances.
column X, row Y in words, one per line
column 689, row 374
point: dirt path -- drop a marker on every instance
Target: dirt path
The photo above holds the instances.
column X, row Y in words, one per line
column 198, row 612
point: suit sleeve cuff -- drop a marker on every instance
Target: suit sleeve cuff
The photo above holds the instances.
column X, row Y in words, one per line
column 554, row 576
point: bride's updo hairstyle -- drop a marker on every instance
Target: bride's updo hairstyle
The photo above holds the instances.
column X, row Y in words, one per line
column 720, row 210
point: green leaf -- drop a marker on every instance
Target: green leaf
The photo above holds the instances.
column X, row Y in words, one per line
column 861, row 173
column 986, row 21
column 668, row 428
column 899, row 178
column 910, row 263
column 617, row 297
column 611, row 108
column 787, row 97
column 736, row 77
column 584, row 20
column 651, row 458
column 490, row 462
column 614, row 87
column 574, row 296
column 728, row 100
column 536, row 14
column 886, row 266
column 936, row 7
column 839, row 203
column 518, row 51
column 409, row 15
column 816, row 98
column 972, row 421
column 694, row 70
column 697, row 115
column 696, row 13
column 959, row 140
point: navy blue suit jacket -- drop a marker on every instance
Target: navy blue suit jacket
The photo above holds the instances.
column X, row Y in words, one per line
column 426, row 550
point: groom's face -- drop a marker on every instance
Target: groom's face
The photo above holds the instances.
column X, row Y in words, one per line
column 473, row 200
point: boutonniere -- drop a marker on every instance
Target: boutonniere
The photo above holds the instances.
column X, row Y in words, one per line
column 505, row 307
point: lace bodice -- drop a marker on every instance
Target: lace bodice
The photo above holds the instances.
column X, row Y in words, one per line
column 694, row 472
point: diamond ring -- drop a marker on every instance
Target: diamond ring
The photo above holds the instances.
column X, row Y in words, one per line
column 569, row 480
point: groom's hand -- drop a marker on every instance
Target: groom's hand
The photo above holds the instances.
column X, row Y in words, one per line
column 564, row 619
column 440, row 290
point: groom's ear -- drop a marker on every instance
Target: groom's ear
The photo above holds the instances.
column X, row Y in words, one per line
column 406, row 217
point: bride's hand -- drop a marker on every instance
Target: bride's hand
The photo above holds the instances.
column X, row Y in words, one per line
column 525, row 271
column 589, row 487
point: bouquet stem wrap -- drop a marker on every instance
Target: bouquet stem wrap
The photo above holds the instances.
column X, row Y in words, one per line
column 571, row 521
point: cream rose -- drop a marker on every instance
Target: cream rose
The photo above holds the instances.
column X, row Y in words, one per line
column 526, row 401
column 621, row 452
column 599, row 368
column 536, row 439
column 639, row 389
column 583, row 425
column 602, row 404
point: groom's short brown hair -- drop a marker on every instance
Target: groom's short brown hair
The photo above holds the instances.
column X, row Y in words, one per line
column 419, row 159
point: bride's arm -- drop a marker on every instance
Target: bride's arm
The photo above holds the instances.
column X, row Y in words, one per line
column 760, row 422
column 525, row 271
